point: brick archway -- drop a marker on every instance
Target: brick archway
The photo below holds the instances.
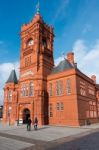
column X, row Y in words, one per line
column 26, row 115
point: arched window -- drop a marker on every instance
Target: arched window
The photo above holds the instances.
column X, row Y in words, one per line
column 26, row 90
column 59, row 87
column 50, row 89
column 9, row 95
column 31, row 89
column 21, row 92
column 68, row 86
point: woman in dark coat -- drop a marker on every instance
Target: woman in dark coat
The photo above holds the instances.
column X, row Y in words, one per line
column 35, row 123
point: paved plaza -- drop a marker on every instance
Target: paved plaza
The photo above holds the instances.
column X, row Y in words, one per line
column 49, row 138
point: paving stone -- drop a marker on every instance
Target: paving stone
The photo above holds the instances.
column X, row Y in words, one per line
column 10, row 144
column 49, row 138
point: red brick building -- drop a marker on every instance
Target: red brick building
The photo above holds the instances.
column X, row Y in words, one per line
column 60, row 95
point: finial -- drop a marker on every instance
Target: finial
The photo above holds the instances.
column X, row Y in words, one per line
column 38, row 7
column 13, row 67
column 63, row 55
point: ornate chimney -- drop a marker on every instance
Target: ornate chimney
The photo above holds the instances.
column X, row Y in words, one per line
column 93, row 77
column 70, row 57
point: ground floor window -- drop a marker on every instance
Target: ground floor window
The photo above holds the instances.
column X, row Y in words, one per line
column 50, row 110
column 60, row 106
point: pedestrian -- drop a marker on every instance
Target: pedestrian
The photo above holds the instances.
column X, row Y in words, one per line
column 35, row 123
column 29, row 124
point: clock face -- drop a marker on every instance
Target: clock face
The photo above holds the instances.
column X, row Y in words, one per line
column 30, row 42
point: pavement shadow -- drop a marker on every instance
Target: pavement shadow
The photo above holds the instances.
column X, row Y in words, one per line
column 88, row 142
column 42, row 128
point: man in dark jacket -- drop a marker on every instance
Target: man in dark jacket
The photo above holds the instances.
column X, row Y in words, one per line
column 29, row 124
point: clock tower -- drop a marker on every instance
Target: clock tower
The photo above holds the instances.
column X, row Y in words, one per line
column 36, row 62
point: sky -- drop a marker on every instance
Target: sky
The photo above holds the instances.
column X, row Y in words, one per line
column 76, row 28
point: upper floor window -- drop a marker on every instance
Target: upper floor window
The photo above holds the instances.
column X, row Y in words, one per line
column 26, row 90
column 50, row 89
column 31, row 89
column 10, row 95
column 30, row 42
column 59, row 87
column 21, row 92
column 68, row 86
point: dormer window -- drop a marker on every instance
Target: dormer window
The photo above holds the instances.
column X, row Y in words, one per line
column 30, row 42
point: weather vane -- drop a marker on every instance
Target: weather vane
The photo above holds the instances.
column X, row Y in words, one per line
column 38, row 7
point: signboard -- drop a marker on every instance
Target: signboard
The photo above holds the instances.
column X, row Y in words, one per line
column 27, row 73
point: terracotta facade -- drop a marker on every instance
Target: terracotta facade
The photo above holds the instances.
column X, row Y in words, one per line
column 64, row 97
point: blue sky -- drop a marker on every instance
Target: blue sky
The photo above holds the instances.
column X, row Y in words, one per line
column 72, row 20
column 76, row 26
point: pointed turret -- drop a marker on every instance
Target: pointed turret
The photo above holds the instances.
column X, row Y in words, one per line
column 12, row 78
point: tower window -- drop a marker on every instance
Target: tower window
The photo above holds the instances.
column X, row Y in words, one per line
column 44, row 42
column 26, row 90
column 31, row 89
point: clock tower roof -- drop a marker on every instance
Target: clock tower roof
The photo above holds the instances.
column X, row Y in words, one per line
column 37, row 19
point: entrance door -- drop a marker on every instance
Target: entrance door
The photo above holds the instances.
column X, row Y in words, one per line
column 26, row 115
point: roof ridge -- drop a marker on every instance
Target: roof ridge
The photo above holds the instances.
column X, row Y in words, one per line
column 62, row 66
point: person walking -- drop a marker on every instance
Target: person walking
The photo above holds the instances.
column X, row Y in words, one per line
column 29, row 124
column 35, row 123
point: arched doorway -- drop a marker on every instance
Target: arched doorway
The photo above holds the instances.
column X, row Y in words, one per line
column 26, row 115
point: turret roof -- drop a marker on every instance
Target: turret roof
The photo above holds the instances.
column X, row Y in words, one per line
column 12, row 78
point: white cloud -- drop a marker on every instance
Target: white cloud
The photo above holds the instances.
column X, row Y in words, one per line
column 5, row 70
column 87, row 58
column 58, row 60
